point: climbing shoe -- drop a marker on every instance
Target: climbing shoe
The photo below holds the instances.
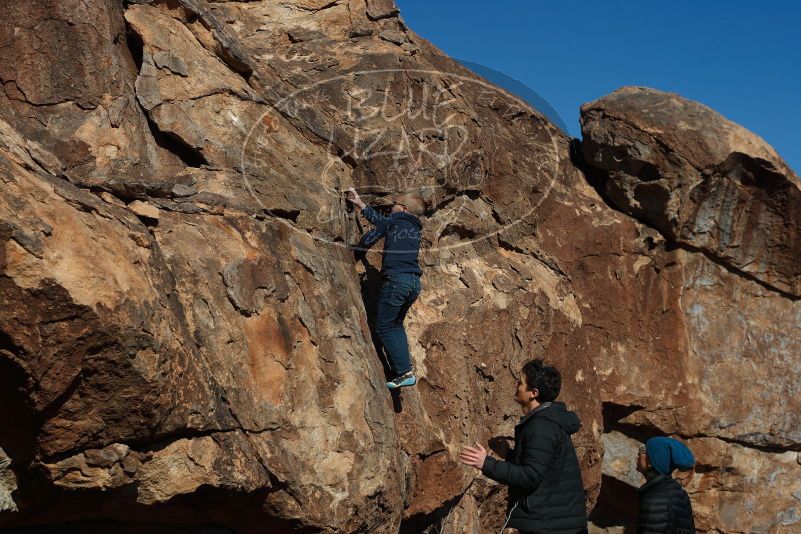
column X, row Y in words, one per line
column 402, row 381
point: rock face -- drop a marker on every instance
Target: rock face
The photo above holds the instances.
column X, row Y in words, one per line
column 186, row 340
column 8, row 484
column 700, row 179
column 730, row 384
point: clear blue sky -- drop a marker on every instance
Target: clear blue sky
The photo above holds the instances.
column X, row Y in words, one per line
column 739, row 57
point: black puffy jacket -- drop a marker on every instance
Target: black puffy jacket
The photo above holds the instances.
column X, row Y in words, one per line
column 664, row 507
column 546, row 495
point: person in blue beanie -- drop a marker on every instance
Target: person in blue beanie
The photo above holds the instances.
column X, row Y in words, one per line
column 400, row 276
column 665, row 507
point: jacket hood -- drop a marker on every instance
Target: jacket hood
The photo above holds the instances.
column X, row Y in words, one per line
column 406, row 216
column 559, row 414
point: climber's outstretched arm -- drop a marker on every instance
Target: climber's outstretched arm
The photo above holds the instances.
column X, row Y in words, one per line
column 379, row 230
column 380, row 223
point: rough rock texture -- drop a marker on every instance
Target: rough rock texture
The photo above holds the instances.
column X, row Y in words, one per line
column 8, row 484
column 185, row 341
column 730, row 385
column 700, row 179
column 194, row 345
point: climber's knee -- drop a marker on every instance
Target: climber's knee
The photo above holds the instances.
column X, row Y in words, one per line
column 385, row 329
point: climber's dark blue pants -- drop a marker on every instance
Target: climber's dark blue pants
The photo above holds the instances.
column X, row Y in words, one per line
column 398, row 292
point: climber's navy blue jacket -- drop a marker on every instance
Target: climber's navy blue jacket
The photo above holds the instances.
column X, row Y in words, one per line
column 401, row 232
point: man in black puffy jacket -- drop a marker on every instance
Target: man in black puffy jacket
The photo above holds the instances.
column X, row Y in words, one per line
column 664, row 504
column 546, row 494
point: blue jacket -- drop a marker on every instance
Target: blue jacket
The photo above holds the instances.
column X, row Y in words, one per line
column 401, row 232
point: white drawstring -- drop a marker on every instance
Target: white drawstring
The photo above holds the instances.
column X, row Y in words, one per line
column 508, row 518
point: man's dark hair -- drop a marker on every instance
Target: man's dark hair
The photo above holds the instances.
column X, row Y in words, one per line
column 545, row 378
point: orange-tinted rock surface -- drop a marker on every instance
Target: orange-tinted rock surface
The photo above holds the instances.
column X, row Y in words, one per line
column 186, row 338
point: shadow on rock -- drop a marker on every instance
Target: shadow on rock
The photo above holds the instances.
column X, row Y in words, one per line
column 370, row 282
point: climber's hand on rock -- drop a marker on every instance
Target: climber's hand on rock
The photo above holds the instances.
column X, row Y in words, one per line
column 474, row 456
column 354, row 197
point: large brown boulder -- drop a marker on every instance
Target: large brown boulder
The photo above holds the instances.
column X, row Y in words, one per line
column 729, row 379
column 702, row 180
column 186, row 339
column 193, row 345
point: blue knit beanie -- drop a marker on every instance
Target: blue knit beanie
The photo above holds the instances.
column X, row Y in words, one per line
column 667, row 454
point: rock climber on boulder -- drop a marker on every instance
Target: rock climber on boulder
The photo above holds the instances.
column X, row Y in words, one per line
column 400, row 276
